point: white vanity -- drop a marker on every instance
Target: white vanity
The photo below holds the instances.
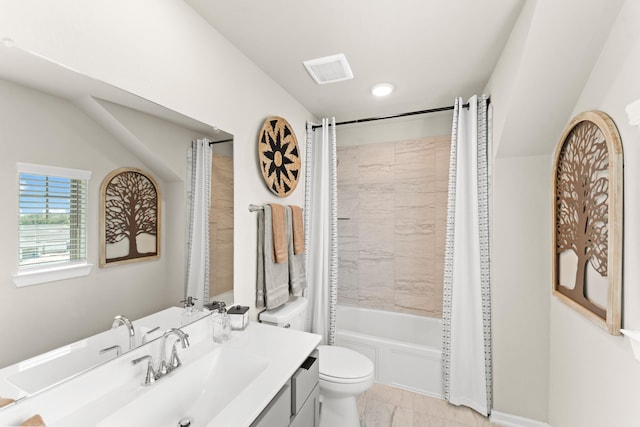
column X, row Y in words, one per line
column 262, row 376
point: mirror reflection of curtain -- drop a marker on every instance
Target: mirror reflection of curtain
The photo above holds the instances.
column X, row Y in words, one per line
column 321, row 229
column 198, row 198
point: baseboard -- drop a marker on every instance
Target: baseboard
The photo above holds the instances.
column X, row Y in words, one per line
column 509, row 420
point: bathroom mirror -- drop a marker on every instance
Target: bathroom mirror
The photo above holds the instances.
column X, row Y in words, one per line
column 56, row 116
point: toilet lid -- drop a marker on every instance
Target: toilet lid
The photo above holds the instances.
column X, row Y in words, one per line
column 340, row 363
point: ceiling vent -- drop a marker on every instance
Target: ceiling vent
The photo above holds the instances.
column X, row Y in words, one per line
column 329, row 69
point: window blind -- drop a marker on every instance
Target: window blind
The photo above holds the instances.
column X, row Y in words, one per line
column 52, row 220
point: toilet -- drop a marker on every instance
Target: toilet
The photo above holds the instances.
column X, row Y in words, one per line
column 344, row 373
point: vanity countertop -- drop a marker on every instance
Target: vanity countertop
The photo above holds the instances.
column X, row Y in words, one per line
column 286, row 350
column 93, row 397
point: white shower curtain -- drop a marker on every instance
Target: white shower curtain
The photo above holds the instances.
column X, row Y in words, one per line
column 321, row 229
column 198, row 197
column 467, row 355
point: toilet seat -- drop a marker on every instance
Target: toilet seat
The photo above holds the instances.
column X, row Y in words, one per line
column 343, row 365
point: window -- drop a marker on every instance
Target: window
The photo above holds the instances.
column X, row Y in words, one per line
column 52, row 218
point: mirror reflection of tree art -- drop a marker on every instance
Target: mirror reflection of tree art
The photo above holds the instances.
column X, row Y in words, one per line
column 587, row 241
column 130, row 217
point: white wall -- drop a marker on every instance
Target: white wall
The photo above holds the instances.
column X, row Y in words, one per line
column 400, row 129
column 543, row 69
column 165, row 52
column 521, row 272
column 595, row 380
column 534, row 87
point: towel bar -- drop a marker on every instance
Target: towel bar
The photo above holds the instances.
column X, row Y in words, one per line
column 253, row 208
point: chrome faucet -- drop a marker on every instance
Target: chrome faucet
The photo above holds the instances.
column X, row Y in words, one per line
column 121, row 320
column 174, row 362
column 152, row 375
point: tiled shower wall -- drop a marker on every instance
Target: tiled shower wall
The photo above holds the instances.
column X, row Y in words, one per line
column 392, row 206
column 221, row 226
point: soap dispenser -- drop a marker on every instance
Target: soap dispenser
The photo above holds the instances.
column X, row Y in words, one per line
column 221, row 324
column 226, row 325
column 189, row 310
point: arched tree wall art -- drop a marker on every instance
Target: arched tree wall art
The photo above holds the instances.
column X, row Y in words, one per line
column 130, row 217
column 587, row 240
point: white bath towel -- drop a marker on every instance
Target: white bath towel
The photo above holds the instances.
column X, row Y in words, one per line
column 272, row 286
column 297, row 273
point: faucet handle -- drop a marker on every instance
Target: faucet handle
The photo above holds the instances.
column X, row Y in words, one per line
column 185, row 339
column 117, row 348
column 151, row 376
column 146, row 334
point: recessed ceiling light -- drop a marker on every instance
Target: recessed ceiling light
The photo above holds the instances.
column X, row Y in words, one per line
column 382, row 89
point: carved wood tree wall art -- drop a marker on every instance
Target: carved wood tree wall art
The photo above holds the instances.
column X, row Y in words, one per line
column 588, row 219
column 130, row 217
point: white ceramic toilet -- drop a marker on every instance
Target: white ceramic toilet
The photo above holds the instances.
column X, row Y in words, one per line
column 344, row 373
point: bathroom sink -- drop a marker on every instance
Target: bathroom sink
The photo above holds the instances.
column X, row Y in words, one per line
column 199, row 390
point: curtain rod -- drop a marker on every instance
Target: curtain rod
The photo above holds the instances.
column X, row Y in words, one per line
column 394, row 116
column 220, row 142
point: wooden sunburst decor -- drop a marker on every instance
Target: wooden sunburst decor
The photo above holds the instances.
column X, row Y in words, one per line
column 279, row 156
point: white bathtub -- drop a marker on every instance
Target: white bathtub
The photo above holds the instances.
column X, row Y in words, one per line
column 405, row 349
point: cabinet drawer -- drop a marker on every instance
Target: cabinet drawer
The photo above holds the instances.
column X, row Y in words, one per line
column 304, row 381
column 278, row 412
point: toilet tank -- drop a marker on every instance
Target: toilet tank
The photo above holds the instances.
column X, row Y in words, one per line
column 292, row 314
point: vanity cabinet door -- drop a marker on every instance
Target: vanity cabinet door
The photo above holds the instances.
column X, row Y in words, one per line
column 278, row 412
column 309, row 414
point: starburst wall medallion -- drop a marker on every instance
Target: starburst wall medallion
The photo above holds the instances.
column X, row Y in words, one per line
column 279, row 156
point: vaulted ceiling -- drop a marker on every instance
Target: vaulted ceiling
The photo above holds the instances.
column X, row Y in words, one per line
column 430, row 50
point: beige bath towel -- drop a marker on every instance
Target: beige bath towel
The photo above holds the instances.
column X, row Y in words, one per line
column 297, row 229
column 35, row 421
column 272, row 284
column 279, row 231
column 4, row 401
column 297, row 273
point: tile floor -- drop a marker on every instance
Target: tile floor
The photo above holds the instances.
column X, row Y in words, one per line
column 385, row 406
